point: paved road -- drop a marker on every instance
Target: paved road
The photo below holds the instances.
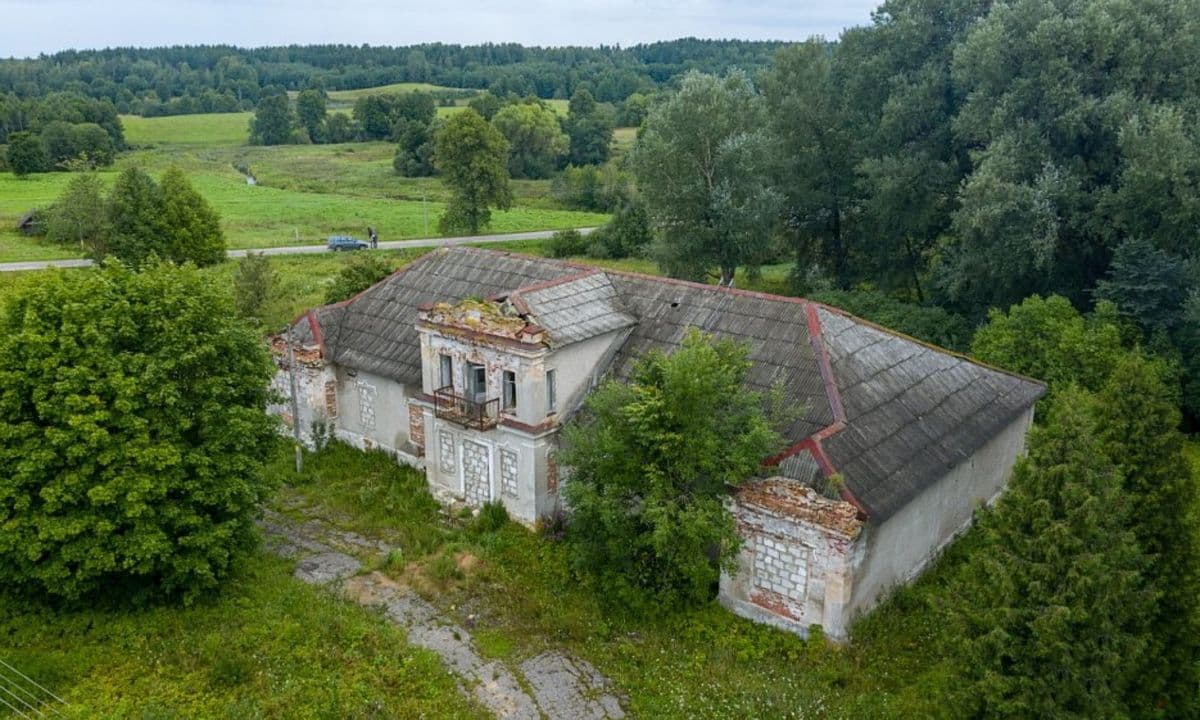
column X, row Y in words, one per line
column 307, row 249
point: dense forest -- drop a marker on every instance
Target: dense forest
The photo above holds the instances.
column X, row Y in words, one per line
column 222, row 78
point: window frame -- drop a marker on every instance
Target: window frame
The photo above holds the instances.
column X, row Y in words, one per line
column 551, row 391
column 508, row 391
column 445, row 370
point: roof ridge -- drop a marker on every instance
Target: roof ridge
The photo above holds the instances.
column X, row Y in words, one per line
column 923, row 343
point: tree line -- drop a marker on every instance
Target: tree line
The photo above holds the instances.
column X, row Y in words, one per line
column 60, row 131
column 223, row 78
column 957, row 155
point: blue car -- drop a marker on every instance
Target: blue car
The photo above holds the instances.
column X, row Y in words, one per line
column 345, row 242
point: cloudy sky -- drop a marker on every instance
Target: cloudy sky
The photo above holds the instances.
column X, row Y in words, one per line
column 37, row 26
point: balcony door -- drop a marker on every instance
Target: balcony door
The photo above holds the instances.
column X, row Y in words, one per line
column 476, row 384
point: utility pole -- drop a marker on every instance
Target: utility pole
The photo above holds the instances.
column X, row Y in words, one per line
column 424, row 211
column 295, row 401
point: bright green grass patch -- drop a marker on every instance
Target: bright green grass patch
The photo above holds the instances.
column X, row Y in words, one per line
column 700, row 663
column 306, row 193
column 267, row 647
column 202, row 129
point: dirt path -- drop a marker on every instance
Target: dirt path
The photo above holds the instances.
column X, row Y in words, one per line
column 549, row 685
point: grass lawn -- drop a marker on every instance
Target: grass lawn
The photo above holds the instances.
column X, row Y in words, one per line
column 267, row 647
column 202, row 129
column 701, row 663
column 304, row 194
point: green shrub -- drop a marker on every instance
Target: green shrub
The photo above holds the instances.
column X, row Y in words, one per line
column 492, row 516
column 132, row 434
column 566, row 243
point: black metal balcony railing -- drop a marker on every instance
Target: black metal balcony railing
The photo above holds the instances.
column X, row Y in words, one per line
column 449, row 405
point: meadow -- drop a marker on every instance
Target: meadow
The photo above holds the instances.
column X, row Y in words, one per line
column 303, row 193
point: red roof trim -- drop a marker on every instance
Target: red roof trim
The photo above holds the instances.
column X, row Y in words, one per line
column 315, row 326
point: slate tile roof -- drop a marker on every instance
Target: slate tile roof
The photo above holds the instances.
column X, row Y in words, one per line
column 890, row 414
column 574, row 308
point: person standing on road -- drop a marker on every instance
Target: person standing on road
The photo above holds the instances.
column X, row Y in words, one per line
column 373, row 237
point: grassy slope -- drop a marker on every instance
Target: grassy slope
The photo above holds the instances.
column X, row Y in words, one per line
column 305, row 193
column 704, row 663
column 267, row 647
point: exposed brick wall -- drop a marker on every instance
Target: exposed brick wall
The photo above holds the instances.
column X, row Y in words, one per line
column 416, row 427
column 551, row 472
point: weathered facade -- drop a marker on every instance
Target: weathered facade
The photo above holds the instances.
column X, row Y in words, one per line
column 467, row 362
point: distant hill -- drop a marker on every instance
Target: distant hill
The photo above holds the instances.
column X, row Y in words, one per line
column 223, row 78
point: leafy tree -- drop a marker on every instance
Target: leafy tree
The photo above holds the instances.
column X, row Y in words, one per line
column 93, row 145
column 273, row 121
column 628, row 234
column 471, row 155
column 1054, row 141
column 192, row 227
column 815, row 156
column 588, row 187
column 310, row 113
column 25, row 154
column 414, row 150
column 1147, row 285
column 590, row 127
column 132, row 435
column 701, row 167
column 1055, row 625
column 1052, row 341
column 373, row 114
column 651, row 461
column 930, row 324
column 633, row 110
column 79, row 217
column 253, row 283
column 359, row 272
column 137, row 227
column 339, row 128
column 486, row 104
column 536, row 142
column 1138, row 428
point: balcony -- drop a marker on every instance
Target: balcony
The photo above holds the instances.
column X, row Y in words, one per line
column 449, row 405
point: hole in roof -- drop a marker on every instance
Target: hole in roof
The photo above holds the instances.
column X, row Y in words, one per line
column 675, row 304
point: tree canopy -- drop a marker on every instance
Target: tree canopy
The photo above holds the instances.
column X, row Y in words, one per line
column 536, row 141
column 471, row 155
column 651, row 461
column 701, row 167
column 132, row 434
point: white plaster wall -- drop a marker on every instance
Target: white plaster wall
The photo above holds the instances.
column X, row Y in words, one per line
column 391, row 412
column 900, row 549
column 578, row 368
column 528, row 504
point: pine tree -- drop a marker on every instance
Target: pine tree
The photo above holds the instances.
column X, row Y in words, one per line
column 193, row 228
column 135, row 218
column 1138, row 422
column 1056, row 622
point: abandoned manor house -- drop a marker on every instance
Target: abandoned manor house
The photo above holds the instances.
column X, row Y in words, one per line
column 467, row 362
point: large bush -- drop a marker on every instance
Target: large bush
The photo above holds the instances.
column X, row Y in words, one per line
column 132, row 434
column 651, row 462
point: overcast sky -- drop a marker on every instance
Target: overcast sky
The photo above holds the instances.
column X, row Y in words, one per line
column 37, row 26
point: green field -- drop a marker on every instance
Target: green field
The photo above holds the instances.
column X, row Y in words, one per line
column 204, row 129
column 304, row 192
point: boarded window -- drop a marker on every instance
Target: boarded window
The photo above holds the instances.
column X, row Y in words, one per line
column 446, row 376
column 510, row 389
column 551, row 390
column 366, row 406
column 331, row 408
